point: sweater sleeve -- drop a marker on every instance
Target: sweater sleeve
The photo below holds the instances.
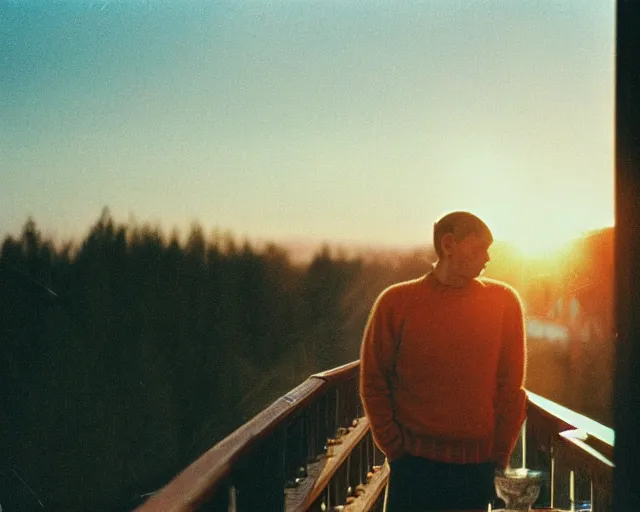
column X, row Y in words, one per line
column 510, row 402
column 376, row 365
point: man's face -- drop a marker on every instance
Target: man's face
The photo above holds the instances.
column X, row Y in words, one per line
column 470, row 255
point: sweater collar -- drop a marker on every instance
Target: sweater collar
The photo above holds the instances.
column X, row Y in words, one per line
column 432, row 281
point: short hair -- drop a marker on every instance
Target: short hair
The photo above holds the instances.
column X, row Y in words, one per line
column 460, row 224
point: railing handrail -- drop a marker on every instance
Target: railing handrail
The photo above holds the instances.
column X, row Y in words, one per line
column 601, row 432
column 592, row 434
column 199, row 480
column 340, row 373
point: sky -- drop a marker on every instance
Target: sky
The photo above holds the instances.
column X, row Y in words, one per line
column 351, row 121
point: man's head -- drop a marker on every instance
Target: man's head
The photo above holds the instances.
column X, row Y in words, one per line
column 462, row 242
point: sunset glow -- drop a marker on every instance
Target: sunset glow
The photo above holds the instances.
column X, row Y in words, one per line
column 351, row 122
column 538, row 214
column 541, row 240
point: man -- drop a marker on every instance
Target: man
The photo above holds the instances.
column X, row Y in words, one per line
column 442, row 372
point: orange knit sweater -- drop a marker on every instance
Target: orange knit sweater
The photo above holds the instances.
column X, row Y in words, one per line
column 442, row 370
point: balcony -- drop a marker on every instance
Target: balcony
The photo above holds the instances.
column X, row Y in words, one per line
column 312, row 450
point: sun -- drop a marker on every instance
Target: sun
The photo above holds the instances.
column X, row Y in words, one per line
column 542, row 243
column 538, row 215
column 538, row 239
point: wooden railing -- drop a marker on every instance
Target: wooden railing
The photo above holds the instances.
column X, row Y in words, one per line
column 312, row 450
column 575, row 452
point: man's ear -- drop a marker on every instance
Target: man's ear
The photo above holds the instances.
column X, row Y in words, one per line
column 447, row 243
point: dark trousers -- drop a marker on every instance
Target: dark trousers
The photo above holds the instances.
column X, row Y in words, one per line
column 417, row 484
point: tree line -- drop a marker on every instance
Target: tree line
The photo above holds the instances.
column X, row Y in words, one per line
column 127, row 355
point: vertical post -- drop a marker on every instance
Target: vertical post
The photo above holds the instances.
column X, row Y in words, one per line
column 561, row 479
column 295, row 450
column 626, row 495
column 582, row 494
column 523, row 438
column 378, row 456
column 368, row 455
column 338, row 407
column 232, row 507
column 331, row 413
column 553, row 480
column 538, row 446
column 353, row 398
column 322, row 431
column 311, row 428
column 572, row 489
column 339, row 485
column 355, row 468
